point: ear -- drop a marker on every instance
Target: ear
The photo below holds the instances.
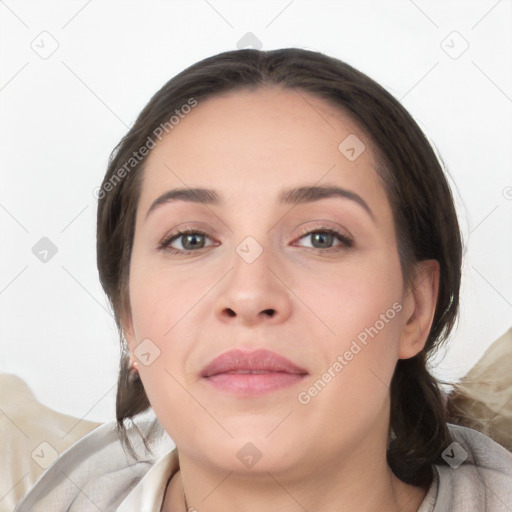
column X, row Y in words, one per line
column 419, row 307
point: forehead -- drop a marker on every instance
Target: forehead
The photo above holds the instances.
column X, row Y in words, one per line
column 250, row 144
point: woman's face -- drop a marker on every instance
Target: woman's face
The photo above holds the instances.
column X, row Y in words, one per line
column 255, row 279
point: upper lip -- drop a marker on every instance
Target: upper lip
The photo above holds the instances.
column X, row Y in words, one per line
column 256, row 360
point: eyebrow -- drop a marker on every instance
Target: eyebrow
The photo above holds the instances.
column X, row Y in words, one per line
column 293, row 196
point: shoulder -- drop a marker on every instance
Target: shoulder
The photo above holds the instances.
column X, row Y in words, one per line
column 477, row 475
column 98, row 462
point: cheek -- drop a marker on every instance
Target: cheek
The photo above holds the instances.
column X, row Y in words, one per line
column 351, row 386
column 361, row 312
column 161, row 297
column 168, row 307
column 356, row 300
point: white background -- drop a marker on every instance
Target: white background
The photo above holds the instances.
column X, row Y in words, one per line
column 62, row 115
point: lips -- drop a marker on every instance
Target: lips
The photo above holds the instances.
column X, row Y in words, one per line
column 256, row 362
column 252, row 374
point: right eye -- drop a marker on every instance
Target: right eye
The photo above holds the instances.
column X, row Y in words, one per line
column 190, row 241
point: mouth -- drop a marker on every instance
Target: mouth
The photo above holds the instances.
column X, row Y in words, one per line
column 250, row 374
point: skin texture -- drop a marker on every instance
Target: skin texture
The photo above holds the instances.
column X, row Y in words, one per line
column 330, row 453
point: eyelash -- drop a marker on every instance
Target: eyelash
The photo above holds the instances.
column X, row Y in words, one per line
column 345, row 240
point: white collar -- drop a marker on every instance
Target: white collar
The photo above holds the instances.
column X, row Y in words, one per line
column 148, row 494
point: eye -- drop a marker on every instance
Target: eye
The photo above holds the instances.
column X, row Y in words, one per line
column 322, row 239
column 191, row 240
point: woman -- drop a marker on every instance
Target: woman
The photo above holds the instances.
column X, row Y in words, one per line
column 281, row 250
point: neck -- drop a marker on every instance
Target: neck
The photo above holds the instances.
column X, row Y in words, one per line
column 361, row 483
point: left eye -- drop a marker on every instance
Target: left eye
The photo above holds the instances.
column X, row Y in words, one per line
column 326, row 236
column 193, row 240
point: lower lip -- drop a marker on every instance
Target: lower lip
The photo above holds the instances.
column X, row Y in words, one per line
column 253, row 384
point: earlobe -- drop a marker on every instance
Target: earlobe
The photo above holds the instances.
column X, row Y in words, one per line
column 420, row 306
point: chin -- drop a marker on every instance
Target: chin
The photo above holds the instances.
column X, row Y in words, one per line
column 253, row 453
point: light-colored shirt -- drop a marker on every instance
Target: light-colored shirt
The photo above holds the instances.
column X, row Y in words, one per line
column 96, row 474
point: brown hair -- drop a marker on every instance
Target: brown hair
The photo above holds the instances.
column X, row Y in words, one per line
column 424, row 215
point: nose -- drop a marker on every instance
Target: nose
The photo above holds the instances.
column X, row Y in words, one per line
column 254, row 291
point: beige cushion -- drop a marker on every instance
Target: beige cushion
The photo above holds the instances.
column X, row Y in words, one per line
column 32, row 435
column 482, row 400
